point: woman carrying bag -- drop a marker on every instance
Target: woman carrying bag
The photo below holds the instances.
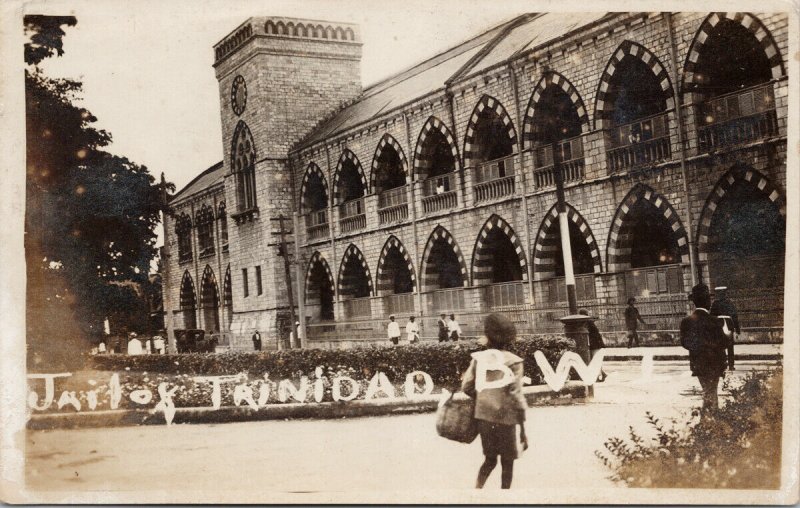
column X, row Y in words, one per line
column 498, row 410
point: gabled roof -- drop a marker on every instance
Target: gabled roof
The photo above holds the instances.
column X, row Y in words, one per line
column 201, row 182
column 493, row 47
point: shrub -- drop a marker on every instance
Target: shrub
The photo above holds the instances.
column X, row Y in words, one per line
column 443, row 361
column 735, row 447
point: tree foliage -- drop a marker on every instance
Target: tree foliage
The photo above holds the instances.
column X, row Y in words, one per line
column 91, row 216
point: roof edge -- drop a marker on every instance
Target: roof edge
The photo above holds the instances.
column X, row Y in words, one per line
column 211, row 169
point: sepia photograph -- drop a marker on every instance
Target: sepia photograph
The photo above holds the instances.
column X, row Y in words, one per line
column 400, row 252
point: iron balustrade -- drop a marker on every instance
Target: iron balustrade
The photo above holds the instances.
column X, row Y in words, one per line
column 494, row 179
column 640, row 143
column 352, row 216
column 506, row 295
column 357, row 307
column 737, row 118
column 393, row 205
column 446, row 299
column 317, row 225
column 399, row 304
column 570, row 153
column 439, row 193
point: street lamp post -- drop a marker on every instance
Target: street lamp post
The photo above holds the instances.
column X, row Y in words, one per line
column 563, row 224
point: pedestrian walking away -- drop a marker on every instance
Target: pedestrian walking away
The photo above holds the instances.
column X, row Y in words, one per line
column 595, row 342
column 453, row 328
column 393, row 330
column 725, row 310
column 632, row 320
column 701, row 333
column 444, row 334
column 412, row 330
column 256, row 341
column 498, row 410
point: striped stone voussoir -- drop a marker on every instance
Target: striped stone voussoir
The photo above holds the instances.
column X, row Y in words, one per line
column 345, row 285
column 425, row 147
column 553, row 79
column 318, row 259
column 487, row 105
column 430, row 273
column 348, row 157
column 313, row 171
column 387, row 142
column 384, row 276
column 548, row 241
column 482, row 256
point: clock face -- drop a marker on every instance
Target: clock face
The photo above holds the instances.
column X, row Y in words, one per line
column 238, row 95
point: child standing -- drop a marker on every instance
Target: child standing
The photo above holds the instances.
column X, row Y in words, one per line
column 498, row 410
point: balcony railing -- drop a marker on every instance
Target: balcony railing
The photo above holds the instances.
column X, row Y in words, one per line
column 557, row 288
column 446, row 299
column 352, row 216
column 393, row 205
column 494, row 179
column 508, row 295
column 317, row 225
column 358, row 307
column 570, row 153
column 639, row 143
column 439, row 193
column 738, row 118
column 399, row 304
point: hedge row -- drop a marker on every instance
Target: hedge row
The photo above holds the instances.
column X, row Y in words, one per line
column 443, row 361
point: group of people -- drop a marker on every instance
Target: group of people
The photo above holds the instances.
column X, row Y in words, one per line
column 449, row 329
column 155, row 345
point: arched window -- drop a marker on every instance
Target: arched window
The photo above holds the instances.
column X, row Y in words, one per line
column 395, row 277
column 243, row 158
column 210, row 301
column 188, row 302
column 499, row 264
column 389, row 180
column 222, row 216
column 227, row 293
column 205, row 230
column 355, row 283
column 632, row 102
column 319, row 289
column 490, row 141
column 183, row 230
column 435, row 163
column 731, row 76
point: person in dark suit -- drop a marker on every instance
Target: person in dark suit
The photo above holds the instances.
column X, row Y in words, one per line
column 444, row 334
column 725, row 310
column 702, row 335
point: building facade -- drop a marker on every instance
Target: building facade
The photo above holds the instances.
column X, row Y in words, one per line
column 433, row 191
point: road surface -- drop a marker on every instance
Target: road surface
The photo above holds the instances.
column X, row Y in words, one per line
column 358, row 454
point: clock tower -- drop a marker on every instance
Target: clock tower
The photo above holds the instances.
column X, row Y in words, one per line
column 277, row 78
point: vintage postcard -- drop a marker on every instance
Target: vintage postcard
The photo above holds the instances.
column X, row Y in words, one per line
column 400, row 252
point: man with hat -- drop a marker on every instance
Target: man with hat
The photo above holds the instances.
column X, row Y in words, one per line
column 702, row 335
column 725, row 310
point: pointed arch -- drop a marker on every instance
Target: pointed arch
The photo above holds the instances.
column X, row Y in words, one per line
column 384, row 278
column 487, row 105
column 227, row 289
column 387, row 142
column 349, row 286
column 483, row 253
column 557, row 80
column 312, row 171
column 188, row 301
column 549, row 237
column 749, row 22
column 318, row 259
column 620, row 239
column 425, row 151
column 605, row 97
column 349, row 157
column 441, row 240
column 738, row 174
column 209, row 300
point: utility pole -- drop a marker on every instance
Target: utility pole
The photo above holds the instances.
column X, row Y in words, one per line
column 301, row 293
column 283, row 251
column 169, row 323
column 563, row 223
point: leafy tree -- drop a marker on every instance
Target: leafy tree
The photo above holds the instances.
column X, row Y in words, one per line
column 90, row 216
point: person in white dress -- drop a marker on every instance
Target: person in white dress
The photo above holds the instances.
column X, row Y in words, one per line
column 454, row 328
column 412, row 330
column 393, row 331
column 134, row 345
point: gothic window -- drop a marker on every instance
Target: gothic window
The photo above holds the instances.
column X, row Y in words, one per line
column 183, row 230
column 243, row 160
column 223, row 226
column 205, row 230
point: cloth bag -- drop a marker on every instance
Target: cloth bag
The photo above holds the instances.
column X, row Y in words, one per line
column 456, row 420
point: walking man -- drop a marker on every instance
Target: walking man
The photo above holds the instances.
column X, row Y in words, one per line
column 412, row 330
column 702, row 335
column 393, row 331
column 257, row 341
column 444, row 334
column 725, row 310
column 632, row 320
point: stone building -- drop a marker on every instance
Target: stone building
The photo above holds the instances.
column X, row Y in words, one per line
column 433, row 191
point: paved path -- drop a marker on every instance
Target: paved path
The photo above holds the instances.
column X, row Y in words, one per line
column 361, row 454
column 740, row 349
